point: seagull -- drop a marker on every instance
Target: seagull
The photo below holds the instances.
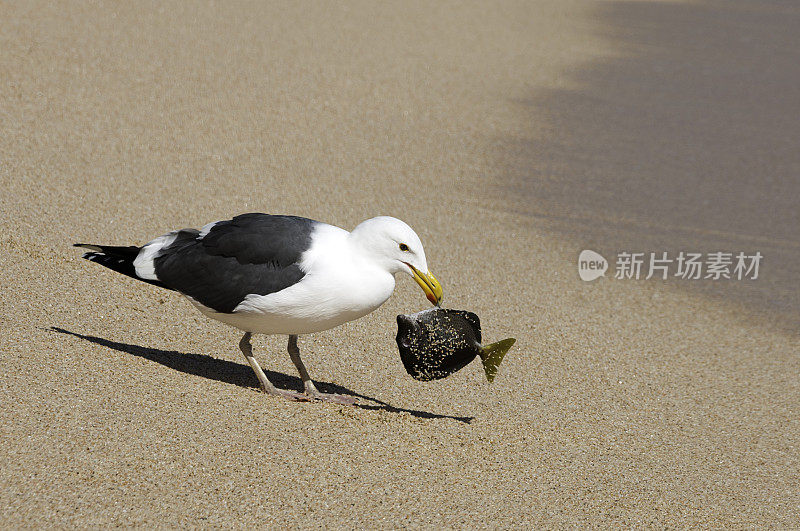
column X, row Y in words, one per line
column 275, row 274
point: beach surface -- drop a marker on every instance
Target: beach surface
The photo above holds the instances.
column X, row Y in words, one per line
column 511, row 137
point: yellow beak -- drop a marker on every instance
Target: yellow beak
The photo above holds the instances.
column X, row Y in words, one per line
column 429, row 284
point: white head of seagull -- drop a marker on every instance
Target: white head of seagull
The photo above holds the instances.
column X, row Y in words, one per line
column 392, row 244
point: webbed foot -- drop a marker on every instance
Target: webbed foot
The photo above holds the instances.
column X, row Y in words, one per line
column 313, row 394
column 285, row 393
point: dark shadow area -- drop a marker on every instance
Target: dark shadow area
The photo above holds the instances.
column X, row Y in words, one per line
column 242, row 375
column 687, row 140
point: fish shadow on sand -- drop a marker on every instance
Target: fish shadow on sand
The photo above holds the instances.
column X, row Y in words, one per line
column 239, row 374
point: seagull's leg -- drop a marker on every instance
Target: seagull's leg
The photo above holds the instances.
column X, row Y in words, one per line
column 266, row 385
column 311, row 389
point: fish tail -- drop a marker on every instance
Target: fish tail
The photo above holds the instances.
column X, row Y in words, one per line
column 492, row 355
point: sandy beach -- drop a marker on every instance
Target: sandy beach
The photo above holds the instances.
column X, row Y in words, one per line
column 511, row 137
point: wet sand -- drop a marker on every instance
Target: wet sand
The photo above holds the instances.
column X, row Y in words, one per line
column 510, row 138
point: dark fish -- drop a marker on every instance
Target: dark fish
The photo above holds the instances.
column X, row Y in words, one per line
column 436, row 343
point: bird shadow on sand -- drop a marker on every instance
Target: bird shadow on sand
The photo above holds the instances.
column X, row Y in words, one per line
column 239, row 374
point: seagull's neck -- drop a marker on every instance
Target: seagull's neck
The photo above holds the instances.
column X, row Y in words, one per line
column 362, row 246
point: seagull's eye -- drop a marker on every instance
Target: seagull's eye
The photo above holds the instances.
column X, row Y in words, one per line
column 403, row 247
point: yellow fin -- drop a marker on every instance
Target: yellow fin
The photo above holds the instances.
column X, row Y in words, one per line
column 492, row 356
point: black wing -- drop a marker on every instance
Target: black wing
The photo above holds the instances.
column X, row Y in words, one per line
column 251, row 253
